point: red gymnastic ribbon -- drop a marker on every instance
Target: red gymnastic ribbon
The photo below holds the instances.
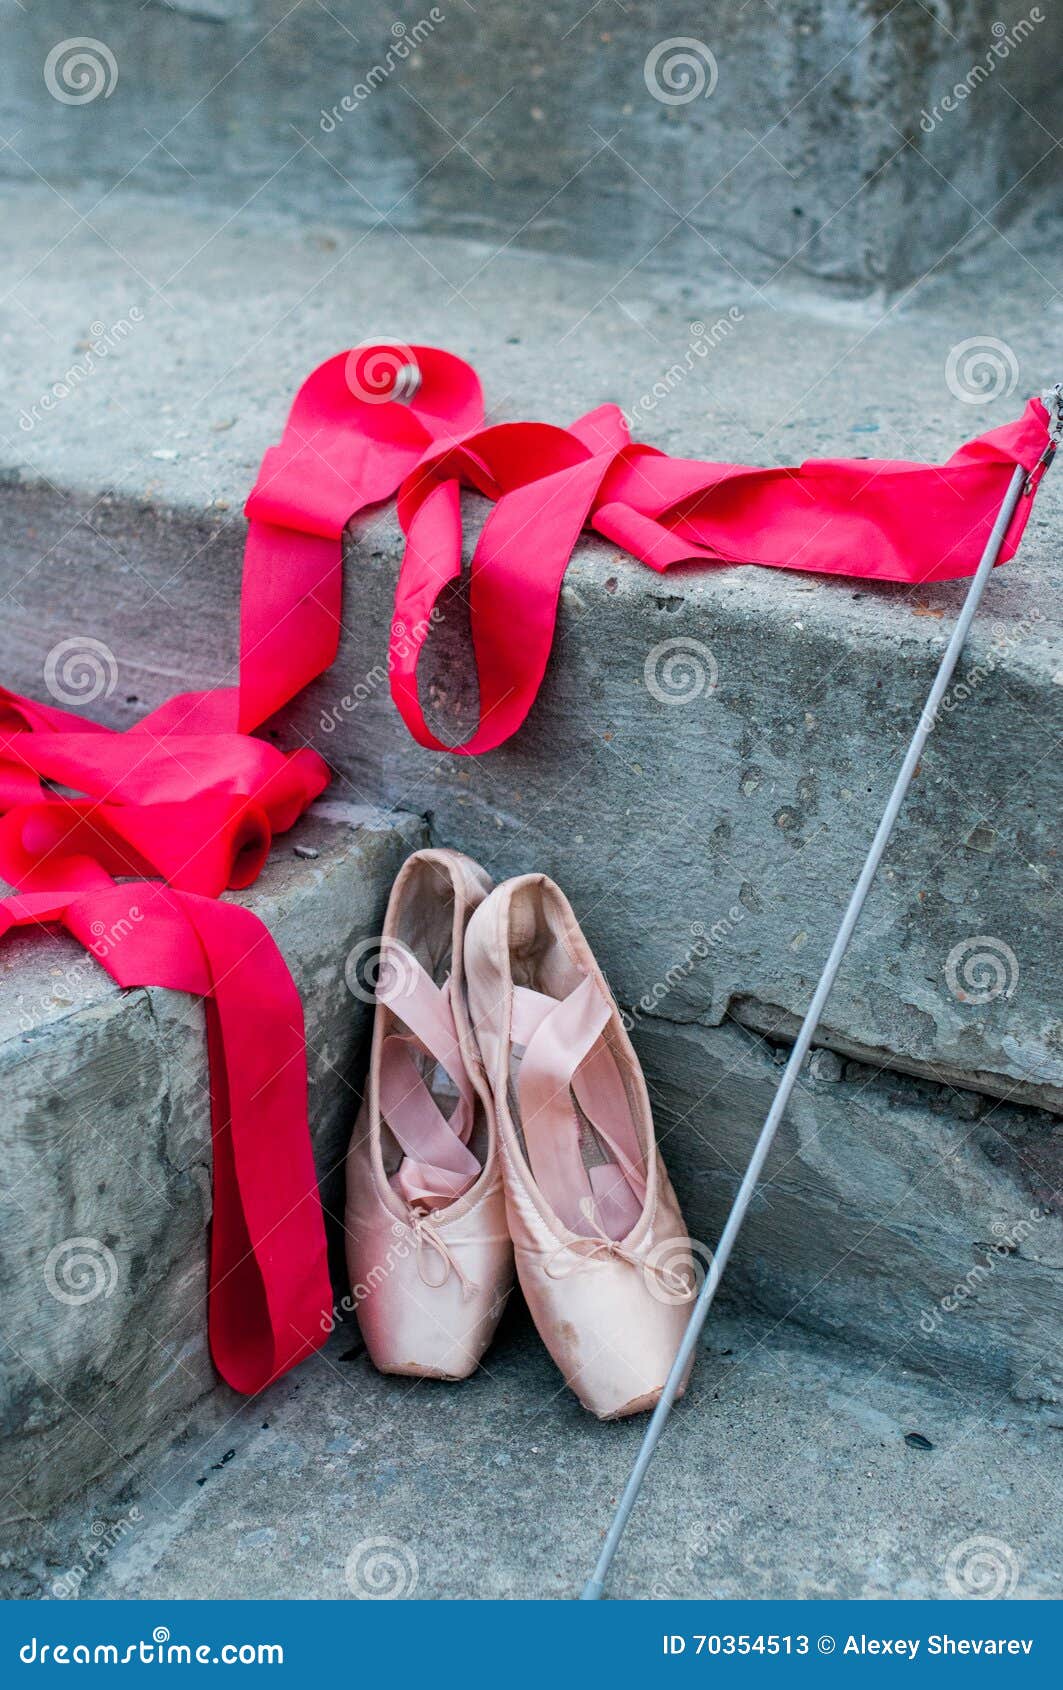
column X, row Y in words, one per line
column 132, row 837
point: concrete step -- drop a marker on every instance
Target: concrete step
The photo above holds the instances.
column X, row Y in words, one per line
column 708, row 847
column 106, row 1147
column 789, row 1470
column 824, row 139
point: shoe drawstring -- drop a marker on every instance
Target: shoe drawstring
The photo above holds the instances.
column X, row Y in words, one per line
column 428, row 1237
column 598, row 1246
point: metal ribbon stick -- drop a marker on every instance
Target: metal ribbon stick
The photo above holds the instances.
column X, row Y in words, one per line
column 1021, row 482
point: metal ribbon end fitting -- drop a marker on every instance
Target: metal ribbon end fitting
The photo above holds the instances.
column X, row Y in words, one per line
column 408, row 379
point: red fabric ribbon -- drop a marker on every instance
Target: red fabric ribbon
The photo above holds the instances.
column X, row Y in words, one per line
column 153, row 824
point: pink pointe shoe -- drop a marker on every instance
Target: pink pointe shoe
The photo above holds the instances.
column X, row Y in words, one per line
column 428, row 1249
column 602, row 1254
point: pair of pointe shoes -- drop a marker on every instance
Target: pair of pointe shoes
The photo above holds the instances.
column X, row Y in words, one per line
column 506, row 1120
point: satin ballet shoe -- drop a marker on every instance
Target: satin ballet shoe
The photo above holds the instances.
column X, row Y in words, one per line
column 428, row 1249
column 602, row 1254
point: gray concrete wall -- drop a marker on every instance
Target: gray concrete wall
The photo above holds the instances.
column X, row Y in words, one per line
column 106, row 1146
column 807, row 138
column 712, row 843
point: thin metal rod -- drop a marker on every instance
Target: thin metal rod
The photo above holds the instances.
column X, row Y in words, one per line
column 592, row 1590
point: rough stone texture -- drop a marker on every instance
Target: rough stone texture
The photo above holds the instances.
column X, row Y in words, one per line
column 816, row 149
column 106, row 1138
column 786, row 1472
column 710, row 846
column 903, row 1218
column 658, row 819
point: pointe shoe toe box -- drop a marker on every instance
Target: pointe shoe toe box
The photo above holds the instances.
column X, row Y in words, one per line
column 613, row 1317
column 428, row 1297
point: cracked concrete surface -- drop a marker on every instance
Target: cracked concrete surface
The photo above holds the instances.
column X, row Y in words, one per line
column 789, row 1470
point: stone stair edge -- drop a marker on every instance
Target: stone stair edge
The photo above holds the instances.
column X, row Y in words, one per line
column 867, row 617
column 127, row 434
column 28, row 961
column 124, row 1075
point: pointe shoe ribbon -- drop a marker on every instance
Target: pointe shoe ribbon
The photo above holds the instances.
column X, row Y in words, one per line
column 566, row 1071
column 437, row 1166
column 598, row 1245
column 428, row 1247
column 429, row 1237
